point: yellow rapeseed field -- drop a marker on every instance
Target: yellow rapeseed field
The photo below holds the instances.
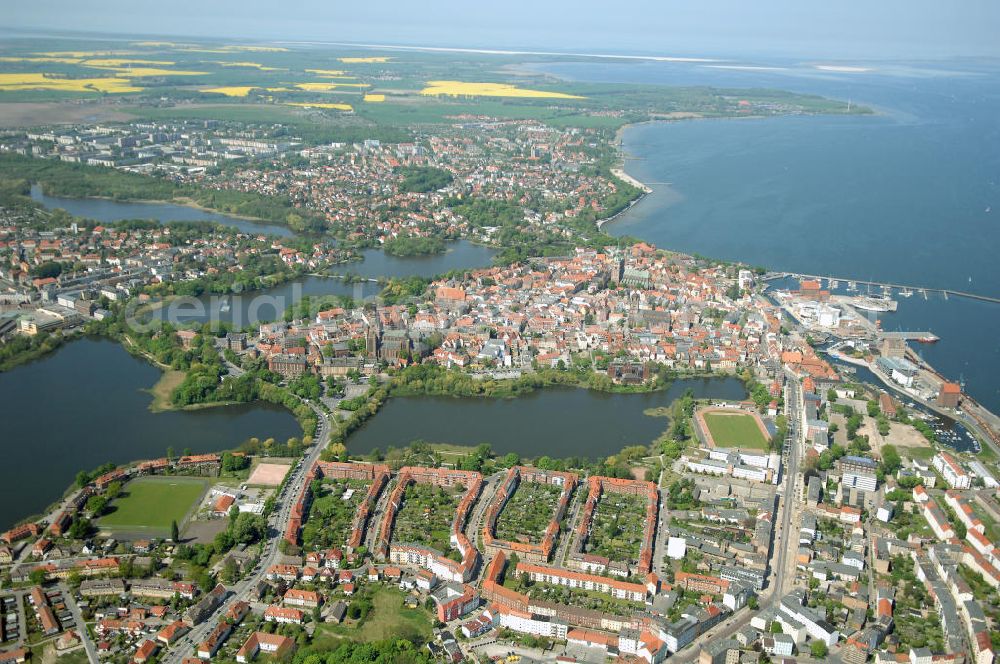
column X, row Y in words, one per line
column 83, row 54
column 139, row 72
column 374, row 98
column 372, row 60
column 66, row 61
column 328, row 72
column 328, row 87
column 12, row 82
column 232, row 90
column 195, row 48
column 257, row 49
column 124, row 62
column 304, row 104
column 128, row 71
column 249, row 65
column 465, row 89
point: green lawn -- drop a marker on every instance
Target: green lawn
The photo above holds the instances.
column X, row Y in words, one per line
column 154, row 502
column 388, row 619
column 923, row 453
column 735, row 430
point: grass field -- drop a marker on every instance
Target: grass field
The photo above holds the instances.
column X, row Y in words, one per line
column 389, row 619
column 153, row 503
column 735, row 430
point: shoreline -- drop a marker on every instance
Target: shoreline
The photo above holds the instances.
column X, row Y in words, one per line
column 182, row 201
column 976, row 429
column 620, row 172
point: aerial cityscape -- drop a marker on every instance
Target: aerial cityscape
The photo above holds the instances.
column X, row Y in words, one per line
column 479, row 341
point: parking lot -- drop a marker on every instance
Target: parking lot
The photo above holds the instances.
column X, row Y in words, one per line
column 10, row 625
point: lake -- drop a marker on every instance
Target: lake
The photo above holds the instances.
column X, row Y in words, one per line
column 270, row 304
column 559, row 422
column 107, row 211
column 86, row 405
column 910, row 195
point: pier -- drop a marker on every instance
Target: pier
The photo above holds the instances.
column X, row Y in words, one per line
column 922, row 337
column 886, row 287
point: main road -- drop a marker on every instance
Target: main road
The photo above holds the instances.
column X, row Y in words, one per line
column 277, row 523
column 784, row 537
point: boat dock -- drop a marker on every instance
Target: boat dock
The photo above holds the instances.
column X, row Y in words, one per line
column 886, row 287
column 922, row 337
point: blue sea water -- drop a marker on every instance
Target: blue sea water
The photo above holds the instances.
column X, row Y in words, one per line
column 910, row 194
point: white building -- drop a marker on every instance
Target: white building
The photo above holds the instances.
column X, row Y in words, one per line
column 952, row 471
column 816, row 627
column 750, row 473
column 708, row 466
column 527, row 623
column 781, row 645
column 980, row 471
column 858, row 473
column 676, row 547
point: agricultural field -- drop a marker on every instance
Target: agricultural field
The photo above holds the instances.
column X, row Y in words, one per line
column 152, row 503
column 339, row 85
column 331, row 512
column 464, row 89
column 426, row 515
column 617, row 528
column 528, row 512
column 735, row 429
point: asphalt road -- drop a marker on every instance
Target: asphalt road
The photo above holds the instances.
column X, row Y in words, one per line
column 81, row 628
column 780, row 562
column 783, row 536
column 277, row 523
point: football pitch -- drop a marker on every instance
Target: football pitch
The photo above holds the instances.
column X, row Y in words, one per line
column 153, row 503
column 735, row 430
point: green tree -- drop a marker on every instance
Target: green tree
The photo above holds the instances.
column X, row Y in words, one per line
column 80, row 528
column 175, row 535
column 97, row 505
column 248, row 528
column 891, row 461
column 230, row 571
column 37, row 576
column 818, row 649
column 205, row 581
column 960, row 530
column 511, row 459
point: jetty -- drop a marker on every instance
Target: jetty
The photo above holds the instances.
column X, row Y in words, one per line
column 885, row 286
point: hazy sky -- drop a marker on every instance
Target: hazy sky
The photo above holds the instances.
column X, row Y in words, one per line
column 808, row 28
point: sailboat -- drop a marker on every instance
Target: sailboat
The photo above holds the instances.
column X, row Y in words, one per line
column 876, row 303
